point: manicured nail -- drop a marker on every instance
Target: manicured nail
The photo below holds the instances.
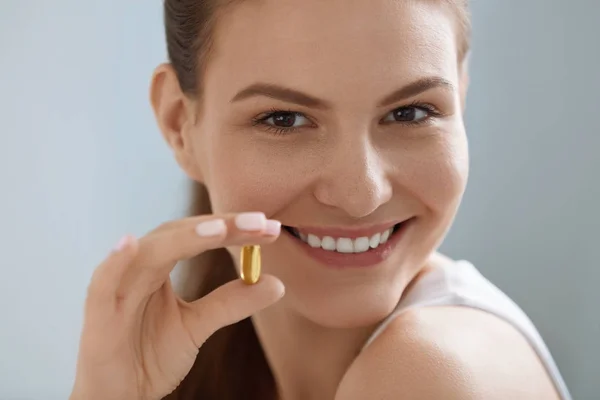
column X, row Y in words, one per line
column 255, row 221
column 213, row 227
column 122, row 244
column 273, row 227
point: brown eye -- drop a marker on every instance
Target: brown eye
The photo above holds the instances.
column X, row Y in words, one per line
column 407, row 114
column 286, row 119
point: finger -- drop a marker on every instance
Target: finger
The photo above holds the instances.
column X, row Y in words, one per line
column 191, row 236
column 229, row 304
column 107, row 276
column 161, row 250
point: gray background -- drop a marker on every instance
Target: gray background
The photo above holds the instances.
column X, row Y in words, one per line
column 82, row 163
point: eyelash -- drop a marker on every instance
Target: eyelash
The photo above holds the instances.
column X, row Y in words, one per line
column 260, row 120
column 431, row 110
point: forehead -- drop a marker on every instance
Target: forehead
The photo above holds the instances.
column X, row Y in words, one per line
column 334, row 46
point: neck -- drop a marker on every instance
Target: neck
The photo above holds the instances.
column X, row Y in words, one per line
column 307, row 360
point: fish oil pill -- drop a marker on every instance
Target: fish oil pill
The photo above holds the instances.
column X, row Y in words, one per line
column 250, row 264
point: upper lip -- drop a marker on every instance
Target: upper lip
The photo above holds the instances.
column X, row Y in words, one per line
column 351, row 232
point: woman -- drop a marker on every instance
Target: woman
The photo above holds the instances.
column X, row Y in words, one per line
column 338, row 125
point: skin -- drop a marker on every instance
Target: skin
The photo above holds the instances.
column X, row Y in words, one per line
column 139, row 339
column 348, row 164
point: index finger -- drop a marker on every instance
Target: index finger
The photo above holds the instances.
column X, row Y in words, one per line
column 160, row 250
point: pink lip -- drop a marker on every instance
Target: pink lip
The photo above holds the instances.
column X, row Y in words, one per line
column 370, row 258
column 351, row 233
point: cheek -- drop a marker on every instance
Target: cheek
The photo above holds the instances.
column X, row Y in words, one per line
column 436, row 172
column 254, row 175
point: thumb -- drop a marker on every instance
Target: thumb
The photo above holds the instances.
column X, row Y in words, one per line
column 228, row 304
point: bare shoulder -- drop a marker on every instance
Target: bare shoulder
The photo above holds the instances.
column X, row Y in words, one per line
column 447, row 353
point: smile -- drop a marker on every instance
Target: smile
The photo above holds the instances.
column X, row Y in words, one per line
column 344, row 244
column 347, row 247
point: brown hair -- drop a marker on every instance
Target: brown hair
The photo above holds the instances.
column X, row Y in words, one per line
column 231, row 364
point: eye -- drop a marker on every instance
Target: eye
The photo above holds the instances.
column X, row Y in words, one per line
column 285, row 120
column 411, row 114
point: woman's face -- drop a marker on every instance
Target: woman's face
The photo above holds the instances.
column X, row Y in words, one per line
column 341, row 119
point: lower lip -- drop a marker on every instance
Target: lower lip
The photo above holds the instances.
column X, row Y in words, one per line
column 369, row 258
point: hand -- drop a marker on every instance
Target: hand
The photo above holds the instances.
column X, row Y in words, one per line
column 139, row 339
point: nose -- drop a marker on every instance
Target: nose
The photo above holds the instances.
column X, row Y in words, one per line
column 355, row 181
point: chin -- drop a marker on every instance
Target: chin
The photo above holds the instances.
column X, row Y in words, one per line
column 350, row 302
column 345, row 310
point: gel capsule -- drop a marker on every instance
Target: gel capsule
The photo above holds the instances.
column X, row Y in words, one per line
column 250, row 264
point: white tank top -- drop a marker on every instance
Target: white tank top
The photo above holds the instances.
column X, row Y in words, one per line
column 463, row 285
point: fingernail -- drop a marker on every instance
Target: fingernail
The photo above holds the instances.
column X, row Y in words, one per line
column 255, row 221
column 121, row 244
column 213, row 227
column 273, row 227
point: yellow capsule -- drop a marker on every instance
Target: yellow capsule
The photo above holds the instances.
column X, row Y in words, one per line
column 250, row 264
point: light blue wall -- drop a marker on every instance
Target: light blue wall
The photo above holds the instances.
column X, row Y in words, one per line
column 531, row 217
column 82, row 163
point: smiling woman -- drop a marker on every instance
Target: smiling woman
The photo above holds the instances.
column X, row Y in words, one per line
column 342, row 123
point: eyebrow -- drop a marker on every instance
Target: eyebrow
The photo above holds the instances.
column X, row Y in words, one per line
column 280, row 93
column 417, row 87
column 289, row 95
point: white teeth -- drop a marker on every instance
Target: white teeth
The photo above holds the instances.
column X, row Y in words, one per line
column 344, row 245
column 385, row 236
column 375, row 240
column 361, row 245
column 314, row 241
column 328, row 243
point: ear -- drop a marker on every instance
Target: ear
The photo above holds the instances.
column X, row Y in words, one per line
column 175, row 113
column 464, row 78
